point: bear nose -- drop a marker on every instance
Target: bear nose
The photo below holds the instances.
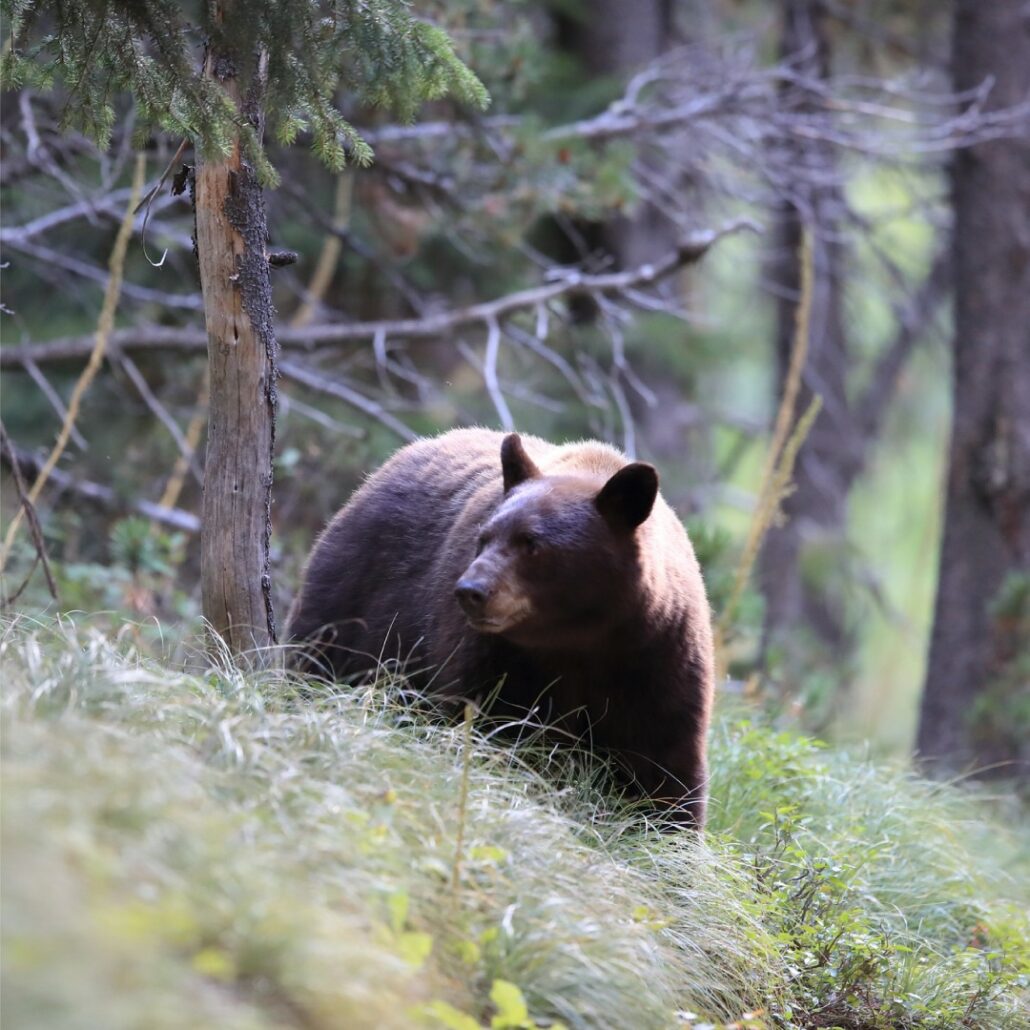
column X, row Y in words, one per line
column 471, row 595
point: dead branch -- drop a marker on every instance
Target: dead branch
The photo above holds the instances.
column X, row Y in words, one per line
column 36, row 532
column 54, row 398
column 160, row 412
column 94, row 273
column 109, row 206
column 310, row 338
column 103, row 496
column 315, row 379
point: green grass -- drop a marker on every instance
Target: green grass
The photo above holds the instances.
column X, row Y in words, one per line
column 211, row 849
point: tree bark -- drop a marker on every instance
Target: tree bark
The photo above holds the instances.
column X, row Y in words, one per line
column 987, row 513
column 231, row 238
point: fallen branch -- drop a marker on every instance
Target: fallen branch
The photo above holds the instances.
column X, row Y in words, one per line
column 432, row 326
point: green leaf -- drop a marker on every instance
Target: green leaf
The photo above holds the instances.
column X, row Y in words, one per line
column 487, row 853
column 216, row 964
column 512, row 1012
column 414, row 947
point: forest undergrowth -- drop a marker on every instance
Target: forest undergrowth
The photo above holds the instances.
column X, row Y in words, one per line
column 199, row 845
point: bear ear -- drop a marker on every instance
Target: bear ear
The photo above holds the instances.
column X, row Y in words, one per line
column 626, row 500
column 516, row 464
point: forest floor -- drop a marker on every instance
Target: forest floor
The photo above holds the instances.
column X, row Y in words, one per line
column 214, row 847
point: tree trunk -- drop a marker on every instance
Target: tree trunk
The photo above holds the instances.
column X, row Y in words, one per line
column 816, row 508
column 616, row 39
column 987, row 515
column 234, row 274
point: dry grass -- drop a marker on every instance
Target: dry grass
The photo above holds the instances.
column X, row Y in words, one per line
column 211, row 849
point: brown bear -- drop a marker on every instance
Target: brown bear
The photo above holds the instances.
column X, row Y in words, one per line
column 556, row 581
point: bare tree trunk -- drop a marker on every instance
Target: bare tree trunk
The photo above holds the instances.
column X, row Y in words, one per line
column 987, row 515
column 816, row 508
column 234, row 274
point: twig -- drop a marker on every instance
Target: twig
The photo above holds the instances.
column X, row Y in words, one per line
column 31, row 517
column 109, row 205
column 153, row 192
column 463, row 796
column 493, row 387
column 913, row 321
column 429, row 327
column 104, row 326
column 55, row 258
column 148, row 202
column 173, row 488
column 104, row 496
column 315, row 415
column 317, row 381
column 535, row 344
column 160, row 412
column 55, row 400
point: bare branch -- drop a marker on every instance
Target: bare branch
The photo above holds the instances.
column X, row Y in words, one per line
column 290, row 404
column 11, row 459
column 310, row 338
column 493, row 387
column 109, row 206
column 186, row 301
column 56, row 403
column 104, row 496
column 160, row 412
column 315, row 379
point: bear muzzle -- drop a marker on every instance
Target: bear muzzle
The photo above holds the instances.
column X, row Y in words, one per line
column 491, row 605
column 472, row 595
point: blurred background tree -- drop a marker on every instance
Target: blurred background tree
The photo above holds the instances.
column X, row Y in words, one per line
column 976, row 703
column 525, row 266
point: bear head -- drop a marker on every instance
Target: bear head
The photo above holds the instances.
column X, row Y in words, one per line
column 557, row 563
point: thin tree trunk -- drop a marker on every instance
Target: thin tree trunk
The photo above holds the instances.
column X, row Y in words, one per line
column 987, row 515
column 817, row 505
column 234, row 274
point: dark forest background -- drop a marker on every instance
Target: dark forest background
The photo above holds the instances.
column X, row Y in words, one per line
column 617, row 247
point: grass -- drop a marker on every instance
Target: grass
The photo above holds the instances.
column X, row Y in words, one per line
column 209, row 848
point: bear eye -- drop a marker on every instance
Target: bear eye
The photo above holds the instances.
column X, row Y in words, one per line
column 528, row 542
column 480, row 544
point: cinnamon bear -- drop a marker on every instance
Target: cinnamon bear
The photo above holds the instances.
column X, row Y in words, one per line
column 554, row 580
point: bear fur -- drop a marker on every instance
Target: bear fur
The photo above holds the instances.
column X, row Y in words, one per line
column 554, row 580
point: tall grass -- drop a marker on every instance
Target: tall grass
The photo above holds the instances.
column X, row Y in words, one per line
column 216, row 848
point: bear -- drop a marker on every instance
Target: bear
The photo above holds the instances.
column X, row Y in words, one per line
column 553, row 580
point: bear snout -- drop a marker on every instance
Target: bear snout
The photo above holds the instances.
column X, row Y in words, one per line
column 472, row 595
